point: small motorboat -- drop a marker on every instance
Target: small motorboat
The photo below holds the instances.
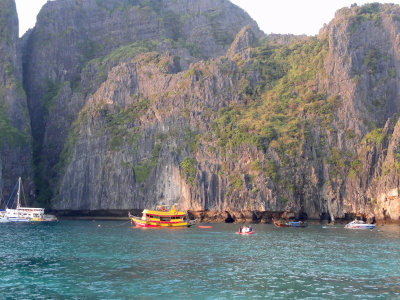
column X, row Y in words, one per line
column 245, row 233
column 280, row 224
column 245, row 230
column 297, row 224
column 290, row 224
column 359, row 224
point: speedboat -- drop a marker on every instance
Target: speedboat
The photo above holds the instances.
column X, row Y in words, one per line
column 358, row 224
column 245, row 233
column 245, row 230
column 290, row 224
column 297, row 224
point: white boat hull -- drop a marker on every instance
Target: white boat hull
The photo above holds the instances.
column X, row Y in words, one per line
column 360, row 226
column 18, row 220
column 22, row 214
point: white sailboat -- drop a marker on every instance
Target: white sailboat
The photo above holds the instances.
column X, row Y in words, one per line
column 25, row 214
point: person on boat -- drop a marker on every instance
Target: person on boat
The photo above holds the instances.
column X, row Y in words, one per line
column 240, row 229
column 250, row 229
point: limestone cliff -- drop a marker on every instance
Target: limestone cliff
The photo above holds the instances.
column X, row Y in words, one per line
column 362, row 66
column 15, row 142
column 138, row 103
column 60, row 66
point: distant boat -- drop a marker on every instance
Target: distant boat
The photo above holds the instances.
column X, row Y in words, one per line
column 297, row 224
column 290, row 224
column 358, row 224
column 280, row 224
column 162, row 218
column 245, row 230
column 245, row 233
column 24, row 214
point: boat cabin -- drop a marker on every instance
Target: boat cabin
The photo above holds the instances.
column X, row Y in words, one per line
column 161, row 216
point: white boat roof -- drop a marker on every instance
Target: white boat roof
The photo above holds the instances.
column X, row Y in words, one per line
column 31, row 208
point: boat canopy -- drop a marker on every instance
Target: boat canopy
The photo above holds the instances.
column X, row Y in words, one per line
column 172, row 213
column 31, row 208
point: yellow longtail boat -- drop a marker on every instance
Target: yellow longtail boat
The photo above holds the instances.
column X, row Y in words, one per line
column 162, row 218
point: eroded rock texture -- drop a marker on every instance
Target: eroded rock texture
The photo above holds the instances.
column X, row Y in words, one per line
column 15, row 141
column 139, row 103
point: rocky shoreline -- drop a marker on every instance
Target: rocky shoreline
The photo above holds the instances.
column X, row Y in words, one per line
column 189, row 102
column 203, row 216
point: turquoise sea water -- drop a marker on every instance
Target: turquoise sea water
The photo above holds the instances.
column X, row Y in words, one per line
column 80, row 260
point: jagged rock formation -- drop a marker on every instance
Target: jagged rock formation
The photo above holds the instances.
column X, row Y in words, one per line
column 363, row 68
column 60, row 69
column 15, row 142
column 138, row 103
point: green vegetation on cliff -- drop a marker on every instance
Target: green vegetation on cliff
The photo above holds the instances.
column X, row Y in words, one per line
column 50, row 96
column 142, row 171
column 9, row 135
column 276, row 106
column 367, row 12
column 257, row 128
column 188, row 166
column 123, row 124
column 104, row 64
column 7, row 11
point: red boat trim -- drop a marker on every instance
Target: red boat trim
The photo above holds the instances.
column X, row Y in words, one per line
column 143, row 223
column 160, row 222
column 156, row 226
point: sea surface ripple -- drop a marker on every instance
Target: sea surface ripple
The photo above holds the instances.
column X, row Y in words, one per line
column 112, row 260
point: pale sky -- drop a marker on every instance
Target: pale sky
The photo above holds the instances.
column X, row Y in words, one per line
column 296, row 16
column 272, row 16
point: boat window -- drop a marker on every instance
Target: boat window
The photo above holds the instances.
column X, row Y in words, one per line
column 165, row 219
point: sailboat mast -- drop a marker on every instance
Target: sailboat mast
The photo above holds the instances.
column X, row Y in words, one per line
column 18, row 193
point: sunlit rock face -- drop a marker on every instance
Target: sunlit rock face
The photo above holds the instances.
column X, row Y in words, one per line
column 135, row 104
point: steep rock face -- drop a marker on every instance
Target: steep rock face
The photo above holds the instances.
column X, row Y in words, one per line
column 69, row 33
column 146, row 137
column 305, row 126
column 362, row 66
column 59, row 75
column 141, row 122
column 15, row 142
